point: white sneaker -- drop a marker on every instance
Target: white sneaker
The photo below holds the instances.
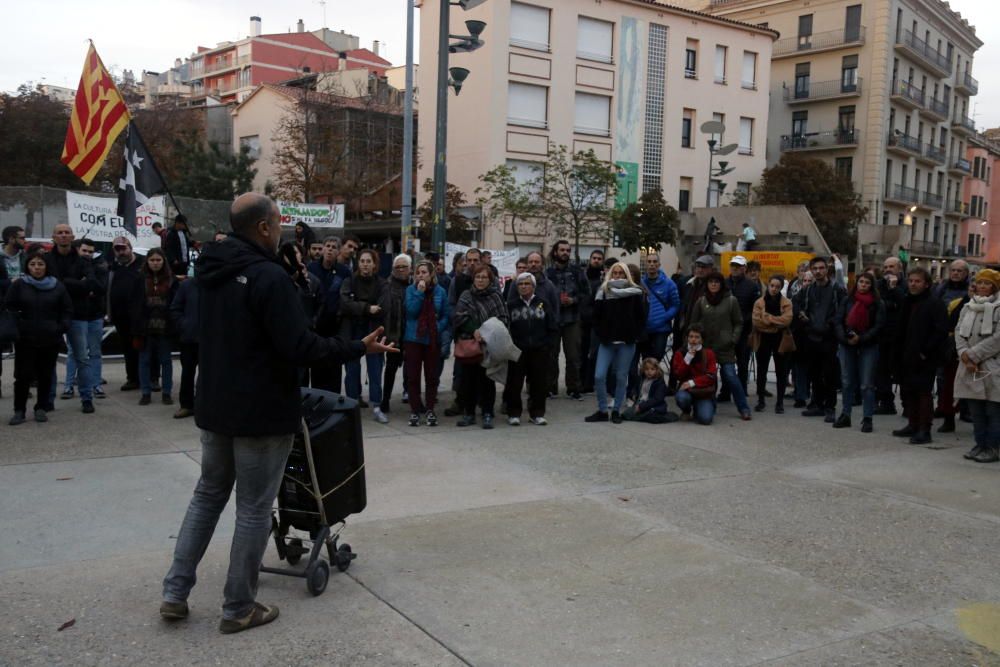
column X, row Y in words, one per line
column 514, row 421
column 380, row 416
column 539, row 421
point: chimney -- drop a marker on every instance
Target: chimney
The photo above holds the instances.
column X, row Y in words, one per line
column 255, row 26
column 300, row 26
column 342, row 61
column 375, row 47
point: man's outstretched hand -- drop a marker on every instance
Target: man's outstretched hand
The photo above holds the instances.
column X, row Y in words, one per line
column 375, row 343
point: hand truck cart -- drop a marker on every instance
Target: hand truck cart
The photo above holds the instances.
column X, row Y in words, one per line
column 324, row 482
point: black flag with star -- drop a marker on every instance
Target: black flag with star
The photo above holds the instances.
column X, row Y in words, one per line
column 140, row 179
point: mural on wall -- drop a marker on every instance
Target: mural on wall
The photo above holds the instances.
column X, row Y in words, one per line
column 631, row 69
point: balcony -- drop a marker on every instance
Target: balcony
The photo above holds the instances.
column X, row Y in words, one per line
column 902, row 194
column 904, row 144
column 819, row 141
column 935, row 109
column 822, row 41
column 954, row 209
column 966, row 85
column 963, row 125
column 907, row 95
column 933, row 201
column 229, row 63
column 957, row 251
column 960, row 167
column 822, row 90
column 925, row 248
column 936, row 154
column 913, row 46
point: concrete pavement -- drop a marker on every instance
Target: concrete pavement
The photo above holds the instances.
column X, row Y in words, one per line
column 778, row 541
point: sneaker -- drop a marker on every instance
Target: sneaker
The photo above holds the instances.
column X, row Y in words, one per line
column 68, row 392
column 987, row 455
column 539, row 421
column 761, row 406
column 146, row 399
column 779, row 408
column 487, row 422
column 973, row 453
column 88, row 407
column 746, row 416
column 431, row 418
column 866, row 425
column 40, row 415
column 406, row 397
column 183, row 413
column 99, row 393
column 131, row 385
column 576, row 396
column 174, row 611
column 598, row 416
column 513, row 421
column 466, row 420
column 167, row 400
column 616, row 417
column 18, row 418
column 414, row 419
column 380, row 416
column 843, row 421
column 261, row 615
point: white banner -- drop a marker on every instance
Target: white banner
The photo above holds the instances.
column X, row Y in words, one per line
column 328, row 216
column 504, row 260
column 97, row 218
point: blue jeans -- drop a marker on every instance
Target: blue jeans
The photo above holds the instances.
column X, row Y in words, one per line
column 800, row 376
column 731, row 378
column 352, row 379
column 74, row 377
column 162, row 349
column 985, row 421
column 704, row 408
column 255, row 466
column 857, row 373
column 77, row 350
column 618, row 358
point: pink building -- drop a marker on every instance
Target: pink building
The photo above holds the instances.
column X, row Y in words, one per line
column 974, row 235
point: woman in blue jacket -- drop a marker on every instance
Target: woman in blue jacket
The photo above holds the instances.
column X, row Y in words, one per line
column 427, row 319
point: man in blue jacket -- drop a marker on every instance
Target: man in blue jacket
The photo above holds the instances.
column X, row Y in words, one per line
column 664, row 302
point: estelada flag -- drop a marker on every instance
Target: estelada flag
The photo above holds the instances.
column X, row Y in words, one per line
column 99, row 115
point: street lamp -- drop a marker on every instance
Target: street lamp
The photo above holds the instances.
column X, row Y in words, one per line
column 454, row 77
column 710, row 128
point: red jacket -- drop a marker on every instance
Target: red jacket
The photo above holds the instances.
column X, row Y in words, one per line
column 702, row 369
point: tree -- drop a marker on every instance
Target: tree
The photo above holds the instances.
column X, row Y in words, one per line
column 32, row 131
column 575, row 192
column 502, row 197
column 458, row 228
column 647, row 223
column 208, row 172
column 829, row 197
column 304, row 133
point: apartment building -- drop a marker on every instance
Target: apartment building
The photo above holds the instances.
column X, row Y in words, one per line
column 633, row 80
column 881, row 90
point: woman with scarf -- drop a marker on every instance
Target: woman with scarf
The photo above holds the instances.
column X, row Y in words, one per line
column 772, row 315
column 977, row 342
column 719, row 313
column 858, row 324
column 427, row 314
column 619, row 321
column 43, row 310
column 151, row 325
column 360, row 315
column 696, row 372
column 476, row 305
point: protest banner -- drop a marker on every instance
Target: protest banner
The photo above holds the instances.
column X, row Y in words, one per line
column 323, row 216
column 783, row 262
column 97, row 218
column 505, row 261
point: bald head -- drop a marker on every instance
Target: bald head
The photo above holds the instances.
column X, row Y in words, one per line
column 62, row 238
column 892, row 265
column 256, row 218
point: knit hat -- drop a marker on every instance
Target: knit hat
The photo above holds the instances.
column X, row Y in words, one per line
column 990, row 275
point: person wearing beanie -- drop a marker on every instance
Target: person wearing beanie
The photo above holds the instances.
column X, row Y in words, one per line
column 977, row 380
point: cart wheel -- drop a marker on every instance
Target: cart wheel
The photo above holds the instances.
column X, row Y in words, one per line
column 294, row 551
column 317, row 574
column 344, row 557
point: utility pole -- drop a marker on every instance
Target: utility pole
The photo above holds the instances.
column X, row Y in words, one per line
column 407, row 220
column 441, row 130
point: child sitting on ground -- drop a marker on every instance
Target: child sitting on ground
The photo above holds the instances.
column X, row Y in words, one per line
column 651, row 405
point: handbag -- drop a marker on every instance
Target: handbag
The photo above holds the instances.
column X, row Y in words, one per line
column 468, row 351
column 8, row 327
column 787, row 343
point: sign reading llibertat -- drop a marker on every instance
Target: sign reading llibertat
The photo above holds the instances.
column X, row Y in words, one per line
column 314, row 215
column 97, row 218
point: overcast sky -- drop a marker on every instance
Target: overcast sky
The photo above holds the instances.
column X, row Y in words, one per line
column 46, row 41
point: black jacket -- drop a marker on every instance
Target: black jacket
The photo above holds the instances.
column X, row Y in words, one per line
column 876, row 322
column 253, row 337
column 571, row 280
column 142, row 313
column 124, row 281
column 892, row 300
column 746, row 292
column 620, row 319
column 77, row 274
column 357, row 296
column 920, row 341
column 657, row 400
column 819, row 303
column 172, row 248
column 43, row 316
column 532, row 325
column 184, row 311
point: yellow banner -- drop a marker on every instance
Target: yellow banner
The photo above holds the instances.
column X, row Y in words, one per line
column 783, row 262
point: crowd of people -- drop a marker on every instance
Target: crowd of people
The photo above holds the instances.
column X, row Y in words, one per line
column 649, row 347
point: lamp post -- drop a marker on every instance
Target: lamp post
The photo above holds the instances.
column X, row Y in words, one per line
column 407, row 217
column 446, row 77
column 715, row 127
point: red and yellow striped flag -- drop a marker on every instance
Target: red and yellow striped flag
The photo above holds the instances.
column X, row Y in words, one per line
column 99, row 115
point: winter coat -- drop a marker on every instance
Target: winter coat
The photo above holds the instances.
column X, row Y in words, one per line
column 723, row 324
column 692, row 290
column 703, row 369
column 545, row 290
column 475, row 307
column 414, row 302
column 253, row 338
column 43, row 315
column 357, row 296
column 327, row 321
column 143, row 314
column 393, row 304
column 176, row 258
column 948, row 291
column 746, row 292
column 532, row 325
column 620, row 320
column 569, row 280
column 978, row 335
column 77, row 274
column 184, row 311
column 876, row 320
column 124, row 281
column 892, row 301
column 664, row 302
column 765, row 322
column 819, row 303
column 657, row 401
column 920, row 342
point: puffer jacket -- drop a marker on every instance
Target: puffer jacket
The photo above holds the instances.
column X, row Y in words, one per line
column 664, row 302
column 43, row 315
column 414, row 302
column 357, row 295
column 978, row 335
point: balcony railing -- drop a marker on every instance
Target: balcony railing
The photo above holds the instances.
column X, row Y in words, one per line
column 925, row 248
column 909, row 91
column 962, row 165
column 906, row 194
column 937, row 153
column 227, row 64
column 933, row 200
column 820, row 140
column 964, row 122
column 923, row 50
column 955, row 208
column 821, row 40
column 905, row 141
column 956, row 251
column 938, row 107
column 822, row 90
column 966, row 81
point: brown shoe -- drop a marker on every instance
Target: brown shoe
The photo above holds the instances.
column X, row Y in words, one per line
column 261, row 615
column 174, row 611
column 183, row 413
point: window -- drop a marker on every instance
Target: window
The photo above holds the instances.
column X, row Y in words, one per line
column 593, row 114
column 802, row 80
column 252, row 143
column 684, row 195
column 852, row 23
column 805, row 31
column 844, row 166
column 742, row 193
column 746, row 136
column 749, row 70
column 720, row 64
column 687, row 122
column 845, row 124
column 529, row 26
column 526, row 173
column 799, row 121
column 849, row 74
column 594, row 39
column 527, row 105
column 719, row 118
column 691, row 60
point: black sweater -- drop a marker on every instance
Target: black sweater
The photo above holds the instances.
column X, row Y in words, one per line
column 532, row 325
column 620, row 319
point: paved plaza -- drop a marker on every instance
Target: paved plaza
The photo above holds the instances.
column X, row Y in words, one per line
column 779, row 541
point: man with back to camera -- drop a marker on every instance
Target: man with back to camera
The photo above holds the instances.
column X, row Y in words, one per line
column 247, row 404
